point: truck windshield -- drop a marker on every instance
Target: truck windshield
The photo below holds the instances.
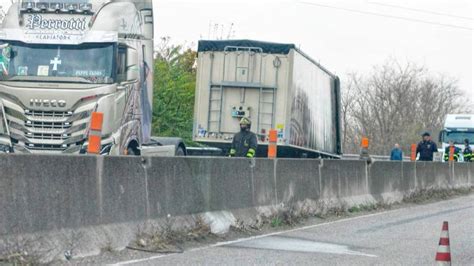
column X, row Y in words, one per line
column 87, row 63
column 458, row 137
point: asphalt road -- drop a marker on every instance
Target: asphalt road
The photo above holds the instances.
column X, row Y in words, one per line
column 407, row 236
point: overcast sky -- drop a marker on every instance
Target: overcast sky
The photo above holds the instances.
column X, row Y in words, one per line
column 345, row 36
column 342, row 40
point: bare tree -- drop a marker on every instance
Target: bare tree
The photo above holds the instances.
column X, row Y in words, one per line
column 349, row 143
column 395, row 104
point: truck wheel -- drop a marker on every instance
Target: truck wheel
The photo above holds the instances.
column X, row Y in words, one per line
column 132, row 151
column 180, row 151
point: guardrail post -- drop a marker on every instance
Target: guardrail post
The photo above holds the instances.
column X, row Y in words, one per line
column 95, row 133
column 272, row 144
column 413, row 153
column 364, row 148
column 451, row 154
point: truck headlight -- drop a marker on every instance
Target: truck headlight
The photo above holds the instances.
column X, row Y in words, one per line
column 4, row 134
column 104, row 149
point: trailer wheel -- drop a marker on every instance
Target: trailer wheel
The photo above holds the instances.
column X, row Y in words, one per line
column 180, row 151
column 132, row 149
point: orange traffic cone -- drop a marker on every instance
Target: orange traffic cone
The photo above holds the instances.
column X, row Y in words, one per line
column 443, row 256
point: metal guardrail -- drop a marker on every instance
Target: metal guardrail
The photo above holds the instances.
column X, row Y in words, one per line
column 374, row 157
column 210, row 151
column 204, row 151
column 437, row 157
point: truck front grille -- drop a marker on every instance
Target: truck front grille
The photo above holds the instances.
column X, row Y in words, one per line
column 47, row 131
column 49, row 136
column 42, row 114
column 45, row 147
column 47, row 125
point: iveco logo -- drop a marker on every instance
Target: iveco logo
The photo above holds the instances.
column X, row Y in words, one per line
column 47, row 103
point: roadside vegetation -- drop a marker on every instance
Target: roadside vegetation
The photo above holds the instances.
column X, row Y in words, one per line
column 174, row 86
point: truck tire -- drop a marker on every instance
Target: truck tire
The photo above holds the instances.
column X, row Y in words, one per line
column 131, row 151
column 180, row 151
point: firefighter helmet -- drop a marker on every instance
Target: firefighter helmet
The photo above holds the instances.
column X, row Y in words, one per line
column 245, row 121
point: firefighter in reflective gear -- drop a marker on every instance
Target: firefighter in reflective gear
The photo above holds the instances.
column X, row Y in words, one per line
column 245, row 142
column 457, row 151
column 467, row 152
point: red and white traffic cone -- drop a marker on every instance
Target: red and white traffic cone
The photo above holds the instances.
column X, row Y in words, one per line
column 443, row 256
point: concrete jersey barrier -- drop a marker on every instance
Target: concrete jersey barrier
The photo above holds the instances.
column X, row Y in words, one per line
column 44, row 194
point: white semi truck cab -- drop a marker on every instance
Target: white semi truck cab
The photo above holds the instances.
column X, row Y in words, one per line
column 457, row 128
column 62, row 60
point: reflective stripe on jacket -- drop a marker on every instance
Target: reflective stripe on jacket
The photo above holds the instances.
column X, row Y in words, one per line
column 457, row 151
column 244, row 144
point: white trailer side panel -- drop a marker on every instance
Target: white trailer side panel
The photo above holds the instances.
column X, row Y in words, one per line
column 313, row 106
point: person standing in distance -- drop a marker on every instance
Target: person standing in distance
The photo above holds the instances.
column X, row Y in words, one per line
column 456, row 153
column 245, row 142
column 467, row 152
column 396, row 154
column 426, row 148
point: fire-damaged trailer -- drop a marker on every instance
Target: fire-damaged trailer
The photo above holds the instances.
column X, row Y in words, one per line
column 277, row 86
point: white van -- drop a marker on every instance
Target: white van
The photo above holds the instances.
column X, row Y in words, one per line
column 457, row 127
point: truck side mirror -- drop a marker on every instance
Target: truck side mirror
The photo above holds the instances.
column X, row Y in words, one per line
column 132, row 69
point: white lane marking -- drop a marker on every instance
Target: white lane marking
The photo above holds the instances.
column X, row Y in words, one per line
column 219, row 244
column 299, row 245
